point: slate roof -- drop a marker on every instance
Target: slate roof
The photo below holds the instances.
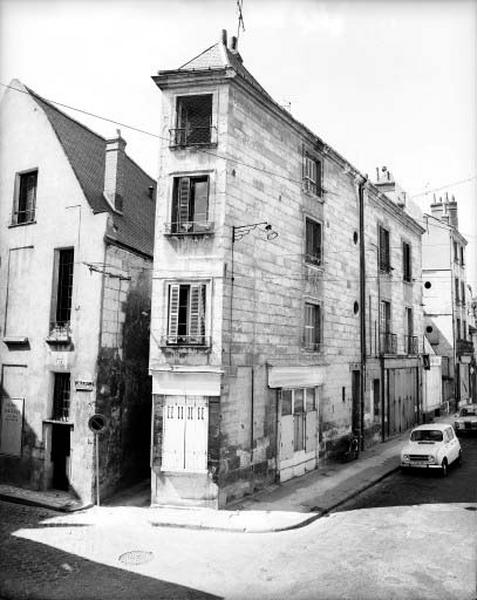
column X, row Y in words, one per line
column 85, row 151
column 219, row 56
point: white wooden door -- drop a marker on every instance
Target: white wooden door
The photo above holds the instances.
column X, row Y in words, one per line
column 173, row 437
column 196, row 434
column 12, row 409
column 310, row 432
column 286, row 437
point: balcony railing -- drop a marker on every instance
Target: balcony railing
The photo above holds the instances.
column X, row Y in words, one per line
column 193, row 136
column 411, row 344
column 464, row 347
column 311, row 187
column 189, row 228
column 202, row 341
column 313, row 259
column 388, row 343
column 60, row 333
column 19, row 217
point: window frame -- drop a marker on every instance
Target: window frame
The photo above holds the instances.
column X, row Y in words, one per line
column 30, row 205
column 61, row 325
column 60, row 408
column 196, row 333
column 184, row 191
column 316, row 328
column 312, row 182
column 314, row 259
column 406, row 261
column 177, row 139
column 384, row 248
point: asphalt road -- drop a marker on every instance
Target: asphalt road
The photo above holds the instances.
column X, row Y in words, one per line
column 424, row 487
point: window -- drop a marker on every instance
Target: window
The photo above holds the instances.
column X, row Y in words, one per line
column 384, row 255
column 312, row 335
column 311, row 175
column 456, row 252
column 25, row 198
column 313, row 242
column 406, row 262
column 410, row 340
column 186, row 317
column 457, row 329
column 190, row 205
column 462, row 292
column 194, row 121
column 63, row 290
column 462, row 256
column 464, row 330
column 61, row 397
column 457, row 291
column 388, row 339
column 385, row 316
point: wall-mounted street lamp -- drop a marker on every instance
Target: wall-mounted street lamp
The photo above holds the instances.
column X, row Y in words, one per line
column 239, row 232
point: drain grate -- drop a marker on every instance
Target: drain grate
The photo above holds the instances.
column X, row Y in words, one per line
column 471, row 508
column 136, row 557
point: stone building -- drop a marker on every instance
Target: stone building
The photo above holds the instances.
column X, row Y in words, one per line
column 285, row 314
column 446, row 300
column 76, row 218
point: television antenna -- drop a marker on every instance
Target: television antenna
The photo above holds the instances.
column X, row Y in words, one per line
column 240, row 17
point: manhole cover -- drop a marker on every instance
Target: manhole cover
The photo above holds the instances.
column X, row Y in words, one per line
column 471, row 508
column 136, row 557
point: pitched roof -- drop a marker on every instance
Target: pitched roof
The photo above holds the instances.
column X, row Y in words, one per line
column 86, row 151
column 219, row 56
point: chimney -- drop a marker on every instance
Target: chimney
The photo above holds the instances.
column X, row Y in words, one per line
column 114, row 171
column 224, row 37
column 452, row 212
column 437, row 208
column 234, row 44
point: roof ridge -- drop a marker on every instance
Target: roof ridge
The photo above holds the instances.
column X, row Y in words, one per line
column 51, row 104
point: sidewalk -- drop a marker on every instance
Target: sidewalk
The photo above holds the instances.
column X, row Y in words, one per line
column 278, row 507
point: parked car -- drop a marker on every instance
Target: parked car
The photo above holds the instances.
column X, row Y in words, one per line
column 432, row 446
column 466, row 420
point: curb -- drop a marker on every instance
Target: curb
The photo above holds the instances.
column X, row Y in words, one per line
column 39, row 504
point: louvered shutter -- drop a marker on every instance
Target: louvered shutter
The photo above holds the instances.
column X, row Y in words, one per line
column 196, row 313
column 183, row 201
column 318, row 178
column 173, row 313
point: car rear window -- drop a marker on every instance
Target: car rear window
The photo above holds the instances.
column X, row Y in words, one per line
column 426, row 435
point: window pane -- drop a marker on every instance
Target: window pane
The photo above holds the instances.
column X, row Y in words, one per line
column 286, row 402
column 200, row 200
column 298, row 406
column 310, row 399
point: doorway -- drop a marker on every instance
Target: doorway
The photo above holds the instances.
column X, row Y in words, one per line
column 60, row 453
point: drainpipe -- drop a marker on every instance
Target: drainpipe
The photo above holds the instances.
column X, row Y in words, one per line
column 362, row 312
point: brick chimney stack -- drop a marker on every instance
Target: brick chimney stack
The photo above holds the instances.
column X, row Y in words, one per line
column 437, row 208
column 114, row 171
column 451, row 209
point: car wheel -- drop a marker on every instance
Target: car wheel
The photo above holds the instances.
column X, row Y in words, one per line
column 444, row 468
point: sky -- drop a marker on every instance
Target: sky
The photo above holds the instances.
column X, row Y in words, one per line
column 390, row 83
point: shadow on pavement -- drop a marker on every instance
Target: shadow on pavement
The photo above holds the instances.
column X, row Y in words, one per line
column 35, row 571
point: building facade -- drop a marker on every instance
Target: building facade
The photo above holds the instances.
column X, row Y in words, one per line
column 76, row 217
column 276, row 331
column 446, row 300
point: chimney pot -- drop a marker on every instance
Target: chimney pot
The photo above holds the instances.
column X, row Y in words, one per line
column 234, row 44
column 224, row 37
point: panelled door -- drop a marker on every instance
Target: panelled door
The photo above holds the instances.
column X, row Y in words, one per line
column 185, row 433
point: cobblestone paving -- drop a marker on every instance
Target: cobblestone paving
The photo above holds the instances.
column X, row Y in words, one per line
column 35, row 571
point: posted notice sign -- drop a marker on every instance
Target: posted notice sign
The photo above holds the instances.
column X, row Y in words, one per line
column 11, row 426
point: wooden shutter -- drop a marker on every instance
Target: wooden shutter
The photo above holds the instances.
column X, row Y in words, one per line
column 318, row 178
column 197, row 313
column 183, row 200
column 173, row 313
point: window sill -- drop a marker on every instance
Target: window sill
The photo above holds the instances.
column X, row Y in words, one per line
column 192, row 145
column 13, row 225
column 58, row 422
column 16, row 340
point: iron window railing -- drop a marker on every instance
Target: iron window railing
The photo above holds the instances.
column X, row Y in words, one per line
column 60, row 332
column 20, row 217
column 193, row 136
column 189, row 228
column 388, row 343
column 186, row 340
column 411, row 345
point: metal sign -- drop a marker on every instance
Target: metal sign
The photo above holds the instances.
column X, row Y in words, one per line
column 97, row 423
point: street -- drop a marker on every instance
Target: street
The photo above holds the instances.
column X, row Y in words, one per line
column 410, row 537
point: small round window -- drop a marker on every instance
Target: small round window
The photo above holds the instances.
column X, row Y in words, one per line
column 355, row 308
column 428, row 285
column 429, row 329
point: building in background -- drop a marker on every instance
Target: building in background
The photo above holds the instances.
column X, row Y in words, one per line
column 76, row 218
column 286, row 309
column 446, row 300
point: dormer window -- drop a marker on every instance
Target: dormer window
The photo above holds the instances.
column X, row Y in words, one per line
column 193, row 121
column 311, row 174
column 25, row 198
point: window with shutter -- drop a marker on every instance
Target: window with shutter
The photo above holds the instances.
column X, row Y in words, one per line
column 313, row 242
column 190, row 206
column 25, row 199
column 312, row 333
column 384, row 255
column 186, row 318
column 406, row 258
column 311, row 174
